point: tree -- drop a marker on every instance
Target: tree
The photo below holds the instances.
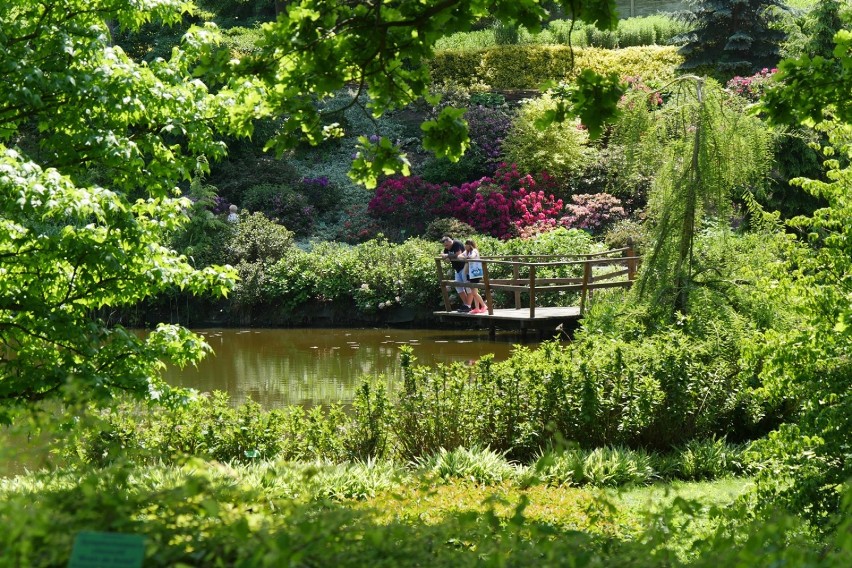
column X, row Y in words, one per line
column 732, row 37
column 822, row 23
column 87, row 198
column 701, row 146
column 811, row 364
column 380, row 48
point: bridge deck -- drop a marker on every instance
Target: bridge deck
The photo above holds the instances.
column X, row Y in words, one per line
column 542, row 314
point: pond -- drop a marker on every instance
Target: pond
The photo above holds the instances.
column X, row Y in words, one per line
column 278, row 367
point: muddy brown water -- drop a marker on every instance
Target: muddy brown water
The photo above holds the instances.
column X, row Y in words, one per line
column 279, row 367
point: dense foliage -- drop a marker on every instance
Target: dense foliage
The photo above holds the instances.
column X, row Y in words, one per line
column 277, row 513
column 729, row 37
column 75, row 241
column 704, row 147
column 745, row 340
column 528, row 67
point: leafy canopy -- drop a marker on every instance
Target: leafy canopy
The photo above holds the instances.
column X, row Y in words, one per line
column 381, row 47
column 811, row 364
column 82, row 130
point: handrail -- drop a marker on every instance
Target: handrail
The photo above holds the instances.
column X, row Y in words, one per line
column 533, row 285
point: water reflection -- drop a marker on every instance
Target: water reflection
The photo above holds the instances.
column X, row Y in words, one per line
column 277, row 367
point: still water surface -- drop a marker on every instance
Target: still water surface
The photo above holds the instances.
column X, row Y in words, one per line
column 278, row 367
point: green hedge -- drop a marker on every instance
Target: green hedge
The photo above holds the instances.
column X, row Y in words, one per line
column 658, row 29
column 528, row 66
column 378, row 275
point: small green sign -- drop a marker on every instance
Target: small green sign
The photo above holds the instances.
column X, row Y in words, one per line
column 107, row 550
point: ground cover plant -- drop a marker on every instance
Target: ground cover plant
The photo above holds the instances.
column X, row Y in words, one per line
column 268, row 513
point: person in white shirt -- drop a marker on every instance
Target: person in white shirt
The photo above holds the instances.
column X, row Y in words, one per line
column 474, row 274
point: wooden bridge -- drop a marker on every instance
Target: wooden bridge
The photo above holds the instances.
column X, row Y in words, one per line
column 540, row 279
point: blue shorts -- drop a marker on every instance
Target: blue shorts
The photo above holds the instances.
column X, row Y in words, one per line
column 460, row 278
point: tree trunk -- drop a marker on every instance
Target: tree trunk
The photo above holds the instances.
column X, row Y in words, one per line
column 683, row 269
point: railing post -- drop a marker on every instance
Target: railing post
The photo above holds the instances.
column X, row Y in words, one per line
column 631, row 260
column 488, row 303
column 441, row 283
column 516, row 276
column 532, row 292
column 587, row 277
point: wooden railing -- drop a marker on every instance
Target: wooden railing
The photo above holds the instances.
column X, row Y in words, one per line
column 591, row 272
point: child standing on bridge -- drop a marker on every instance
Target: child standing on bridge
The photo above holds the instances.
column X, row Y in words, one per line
column 474, row 275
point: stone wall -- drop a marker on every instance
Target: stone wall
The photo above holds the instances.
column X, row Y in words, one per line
column 630, row 8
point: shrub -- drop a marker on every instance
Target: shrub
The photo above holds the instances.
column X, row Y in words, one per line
column 367, row 435
column 505, row 34
column 358, row 226
column 447, row 226
column 608, row 172
column 593, row 213
column 407, row 204
column 527, row 67
column 621, row 232
column 481, row 466
column 707, row 459
column 256, row 243
column 256, row 238
column 560, row 149
column 488, row 122
column 487, row 128
column 320, row 192
column 502, row 205
column 647, row 30
column 292, row 281
column 282, row 204
column 203, row 238
column 752, row 87
column 603, row 467
column 247, row 166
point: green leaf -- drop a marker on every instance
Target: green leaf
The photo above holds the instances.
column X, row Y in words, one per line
column 447, row 135
column 595, row 99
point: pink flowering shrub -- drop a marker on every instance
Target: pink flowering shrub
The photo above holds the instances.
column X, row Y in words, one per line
column 407, row 204
column 506, row 203
column 592, row 212
column 752, row 87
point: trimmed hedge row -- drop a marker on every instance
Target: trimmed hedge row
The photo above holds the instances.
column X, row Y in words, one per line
column 528, row 66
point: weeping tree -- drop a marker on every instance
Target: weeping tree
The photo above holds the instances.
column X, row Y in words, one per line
column 702, row 148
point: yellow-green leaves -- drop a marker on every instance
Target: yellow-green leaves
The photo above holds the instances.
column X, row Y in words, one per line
column 447, row 135
column 374, row 158
column 594, row 98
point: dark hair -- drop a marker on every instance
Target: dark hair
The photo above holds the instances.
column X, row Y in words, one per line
column 470, row 242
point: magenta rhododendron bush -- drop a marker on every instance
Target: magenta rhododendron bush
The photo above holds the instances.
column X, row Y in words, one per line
column 408, row 202
column 504, row 204
column 753, row 86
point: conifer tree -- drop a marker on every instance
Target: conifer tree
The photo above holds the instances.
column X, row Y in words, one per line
column 731, row 37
